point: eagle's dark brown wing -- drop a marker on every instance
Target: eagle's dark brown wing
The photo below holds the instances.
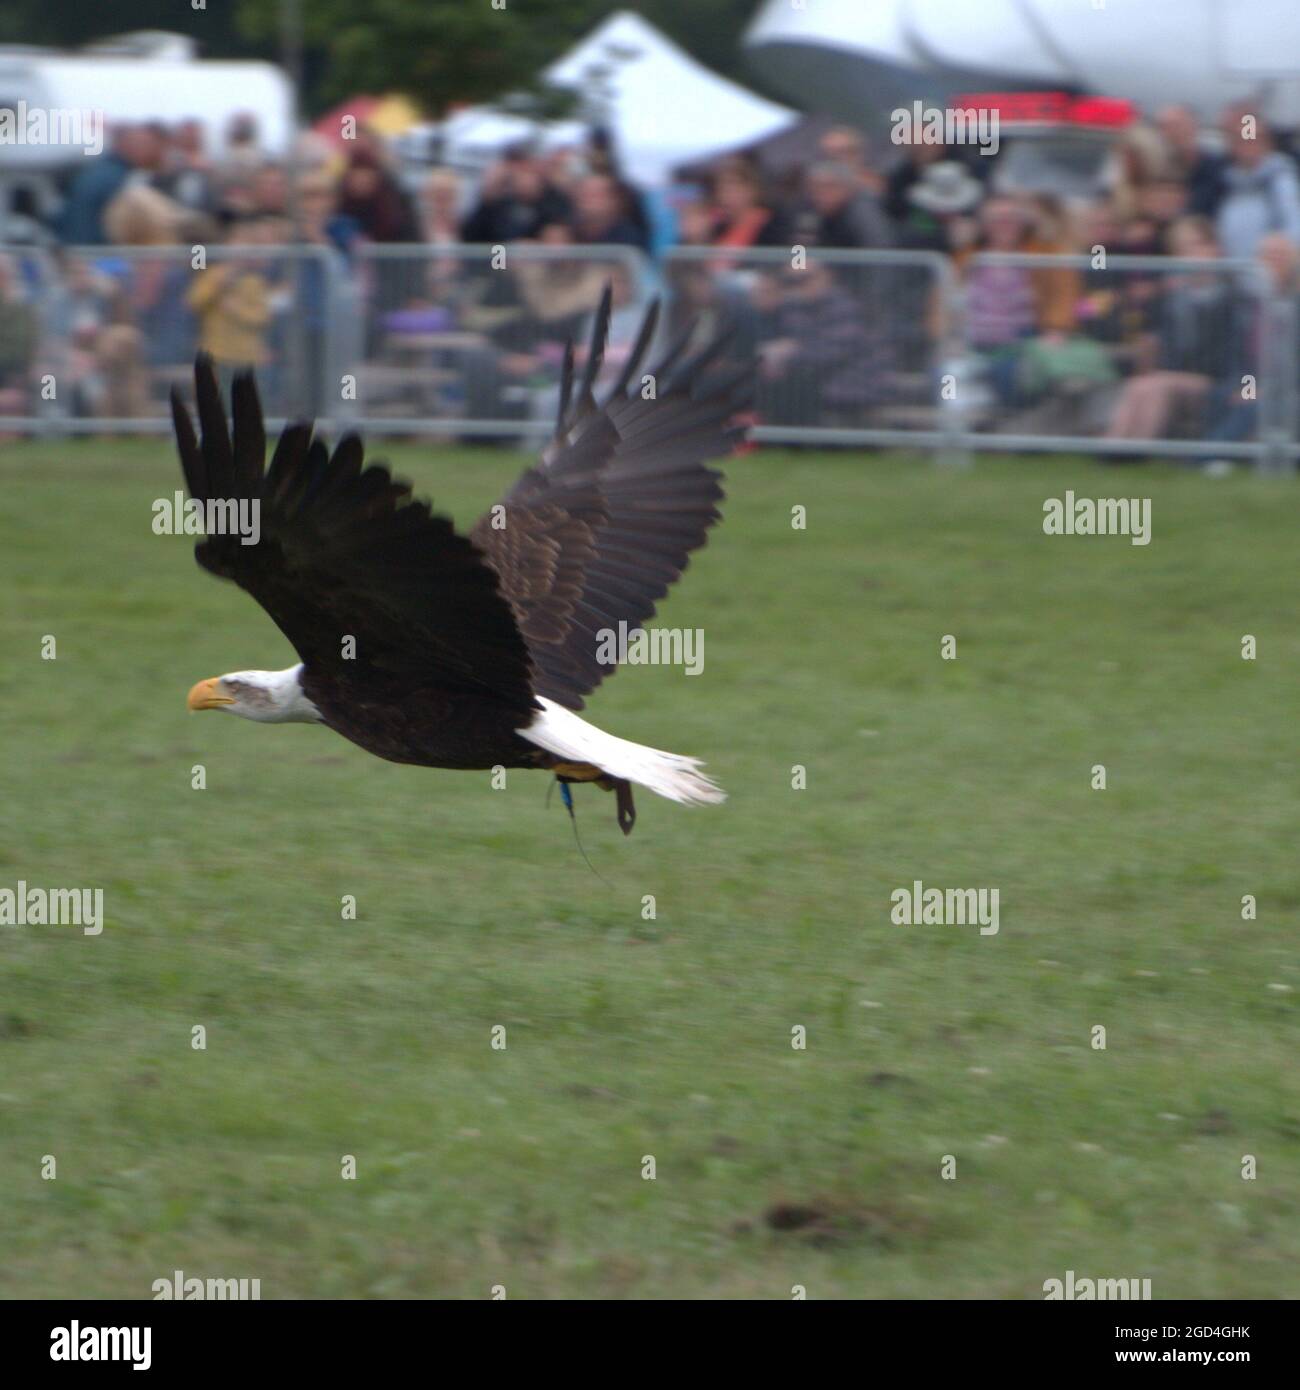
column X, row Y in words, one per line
column 345, row 551
column 597, row 531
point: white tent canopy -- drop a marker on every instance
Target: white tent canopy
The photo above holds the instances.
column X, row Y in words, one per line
column 475, row 135
column 860, row 58
column 662, row 108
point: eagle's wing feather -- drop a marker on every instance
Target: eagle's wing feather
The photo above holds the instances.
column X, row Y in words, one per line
column 595, row 533
column 345, row 551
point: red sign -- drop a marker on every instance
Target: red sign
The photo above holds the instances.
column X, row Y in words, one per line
column 1051, row 108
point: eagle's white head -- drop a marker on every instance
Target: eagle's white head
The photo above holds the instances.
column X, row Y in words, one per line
column 270, row 697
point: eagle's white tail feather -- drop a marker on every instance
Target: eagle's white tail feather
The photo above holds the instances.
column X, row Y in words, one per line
column 561, row 732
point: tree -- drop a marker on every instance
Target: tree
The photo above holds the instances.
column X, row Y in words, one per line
column 71, row 23
column 434, row 51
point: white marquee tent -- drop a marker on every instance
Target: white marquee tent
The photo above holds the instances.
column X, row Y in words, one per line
column 662, row 107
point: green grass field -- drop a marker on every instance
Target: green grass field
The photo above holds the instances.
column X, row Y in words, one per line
column 672, row 1037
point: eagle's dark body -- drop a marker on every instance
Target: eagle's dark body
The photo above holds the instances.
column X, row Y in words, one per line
column 453, row 638
column 422, row 724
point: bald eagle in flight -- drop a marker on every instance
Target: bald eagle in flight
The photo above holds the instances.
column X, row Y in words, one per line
column 471, row 651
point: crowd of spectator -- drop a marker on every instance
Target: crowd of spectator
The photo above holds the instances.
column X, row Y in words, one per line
column 1129, row 355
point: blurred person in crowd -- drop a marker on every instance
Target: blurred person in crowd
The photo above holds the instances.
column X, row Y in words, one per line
column 515, row 201
column 1196, row 355
column 838, row 212
column 543, row 300
column 1279, row 258
column 269, row 190
column 151, row 143
column 146, row 145
column 564, row 168
column 1262, row 190
column 440, row 215
column 373, row 146
column 1059, row 368
column 234, row 170
column 741, row 213
column 274, row 229
column 1049, row 225
column 371, row 196
column 78, row 312
column 1009, row 305
column 819, row 358
column 232, row 301
column 1115, row 308
column 627, row 313
column 518, row 373
column 159, row 307
column 440, row 208
column 1141, row 234
column 1138, row 158
column 549, row 303
column 313, row 153
column 709, row 306
column 135, row 154
column 319, row 221
column 940, row 208
column 158, row 329
column 1162, row 203
column 29, row 214
column 1147, row 231
column 843, row 145
column 243, row 153
column 141, row 216
column 100, row 350
column 235, row 196
column 559, row 295
column 186, row 176
column 647, row 212
column 603, row 214
column 333, row 236
column 124, row 372
column 1097, row 227
column 915, row 158
column 19, row 341
column 694, row 217
column 1198, row 169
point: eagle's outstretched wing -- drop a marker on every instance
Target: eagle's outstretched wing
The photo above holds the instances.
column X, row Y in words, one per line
column 597, row 531
column 345, row 551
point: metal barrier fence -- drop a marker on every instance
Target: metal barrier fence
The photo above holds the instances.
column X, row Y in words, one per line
column 1141, row 355
column 1127, row 355
column 849, row 343
column 469, row 340
column 93, row 338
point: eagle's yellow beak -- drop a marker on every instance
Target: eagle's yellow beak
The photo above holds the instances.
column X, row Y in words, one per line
column 209, row 694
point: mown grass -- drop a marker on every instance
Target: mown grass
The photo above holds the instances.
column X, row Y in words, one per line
column 672, row 1037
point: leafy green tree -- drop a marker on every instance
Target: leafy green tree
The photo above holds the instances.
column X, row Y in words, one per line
column 71, row 23
column 435, row 51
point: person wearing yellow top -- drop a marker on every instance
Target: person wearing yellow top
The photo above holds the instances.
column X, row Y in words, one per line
column 232, row 300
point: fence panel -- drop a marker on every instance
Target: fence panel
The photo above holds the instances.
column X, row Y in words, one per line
column 469, row 340
column 1136, row 355
column 93, row 338
column 1144, row 355
column 849, row 343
